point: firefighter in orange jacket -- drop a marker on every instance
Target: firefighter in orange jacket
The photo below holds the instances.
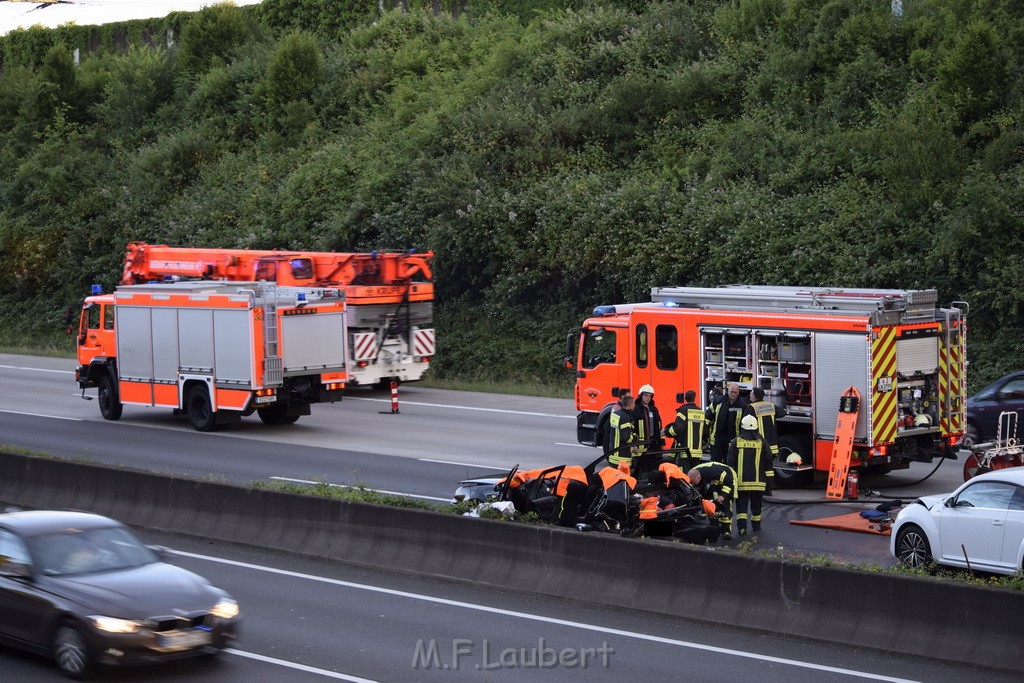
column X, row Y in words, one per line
column 751, row 458
column 688, row 431
column 620, row 439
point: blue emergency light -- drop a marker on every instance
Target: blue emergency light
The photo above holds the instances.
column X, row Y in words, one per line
column 97, row 289
column 604, row 310
column 301, row 296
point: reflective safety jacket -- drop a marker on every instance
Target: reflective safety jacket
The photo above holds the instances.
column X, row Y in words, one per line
column 570, row 474
column 621, row 436
column 716, row 479
column 725, row 419
column 610, row 476
column 647, row 421
column 751, row 457
column 649, row 508
column 523, row 476
column 766, row 414
column 672, row 471
column 688, row 430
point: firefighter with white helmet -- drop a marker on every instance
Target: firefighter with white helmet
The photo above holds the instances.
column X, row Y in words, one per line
column 647, row 421
column 751, row 458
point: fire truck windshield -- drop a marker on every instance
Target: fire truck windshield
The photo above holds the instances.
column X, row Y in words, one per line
column 598, row 347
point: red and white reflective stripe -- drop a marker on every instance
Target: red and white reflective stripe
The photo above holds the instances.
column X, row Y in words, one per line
column 422, row 342
column 364, row 346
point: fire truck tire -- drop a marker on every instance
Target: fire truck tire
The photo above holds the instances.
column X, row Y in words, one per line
column 200, row 410
column 276, row 414
column 110, row 405
column 785, row 477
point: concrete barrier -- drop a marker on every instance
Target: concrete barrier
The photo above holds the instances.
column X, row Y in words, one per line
column 896, row 614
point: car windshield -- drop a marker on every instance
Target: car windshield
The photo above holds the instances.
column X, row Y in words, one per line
column 75, row 551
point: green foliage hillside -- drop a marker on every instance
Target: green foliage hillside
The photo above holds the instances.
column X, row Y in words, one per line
column 555, row 155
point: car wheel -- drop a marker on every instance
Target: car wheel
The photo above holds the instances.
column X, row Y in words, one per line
column 912, row 548
column 110, row 406
column 71, row 652
column 785, row 477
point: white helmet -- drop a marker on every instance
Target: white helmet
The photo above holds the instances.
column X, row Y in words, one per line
column 794, row 459
column 922, row 420
column 646, row 389
column 749, row 422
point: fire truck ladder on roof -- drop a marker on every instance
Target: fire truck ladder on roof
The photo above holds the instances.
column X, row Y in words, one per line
column 906, row 304
column 273, row 374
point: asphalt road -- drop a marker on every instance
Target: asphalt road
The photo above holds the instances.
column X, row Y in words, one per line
column 309, row 620
column 437, row 438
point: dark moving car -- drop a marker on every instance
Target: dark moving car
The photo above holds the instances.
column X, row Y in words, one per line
column 983, row 409
column 85, row 590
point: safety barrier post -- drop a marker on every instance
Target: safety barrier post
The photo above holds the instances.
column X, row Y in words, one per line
column 394, row 399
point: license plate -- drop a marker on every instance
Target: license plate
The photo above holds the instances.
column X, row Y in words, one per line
column 266, row 399
column 184, row 640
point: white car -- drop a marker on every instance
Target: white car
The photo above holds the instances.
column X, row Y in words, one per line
column 980, row 526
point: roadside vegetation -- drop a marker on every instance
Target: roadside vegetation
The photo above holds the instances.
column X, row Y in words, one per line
column 555, row 154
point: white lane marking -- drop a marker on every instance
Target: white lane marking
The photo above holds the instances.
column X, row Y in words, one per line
column 462, row 464
column 19, row 367
column 345, row 486
column 295, row 665
column 446, row 405
column 546, row 620
column 577, row 445
column 55, row 417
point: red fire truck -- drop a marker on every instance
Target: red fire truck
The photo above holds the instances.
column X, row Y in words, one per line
column 213, row 350
column 804, row 346
column 389, row 295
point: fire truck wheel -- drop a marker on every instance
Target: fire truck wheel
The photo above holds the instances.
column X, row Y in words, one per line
column 276, row 414
column 110, row 406
column 785, row 476
column 200, row 410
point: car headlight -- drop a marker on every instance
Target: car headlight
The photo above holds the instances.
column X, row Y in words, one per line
column 226, row 608
column 115, row 625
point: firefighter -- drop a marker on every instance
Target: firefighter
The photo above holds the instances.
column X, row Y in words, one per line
column 724, row 421
column 688, row 431
column 620, row 440
column 751, row 458
column 647, row 421
column 766, row 413
column 716, row 482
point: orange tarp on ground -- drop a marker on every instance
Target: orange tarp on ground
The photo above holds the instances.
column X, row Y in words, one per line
column 848, row 522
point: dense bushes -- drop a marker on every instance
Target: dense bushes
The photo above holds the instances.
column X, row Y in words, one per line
column 556, row 155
